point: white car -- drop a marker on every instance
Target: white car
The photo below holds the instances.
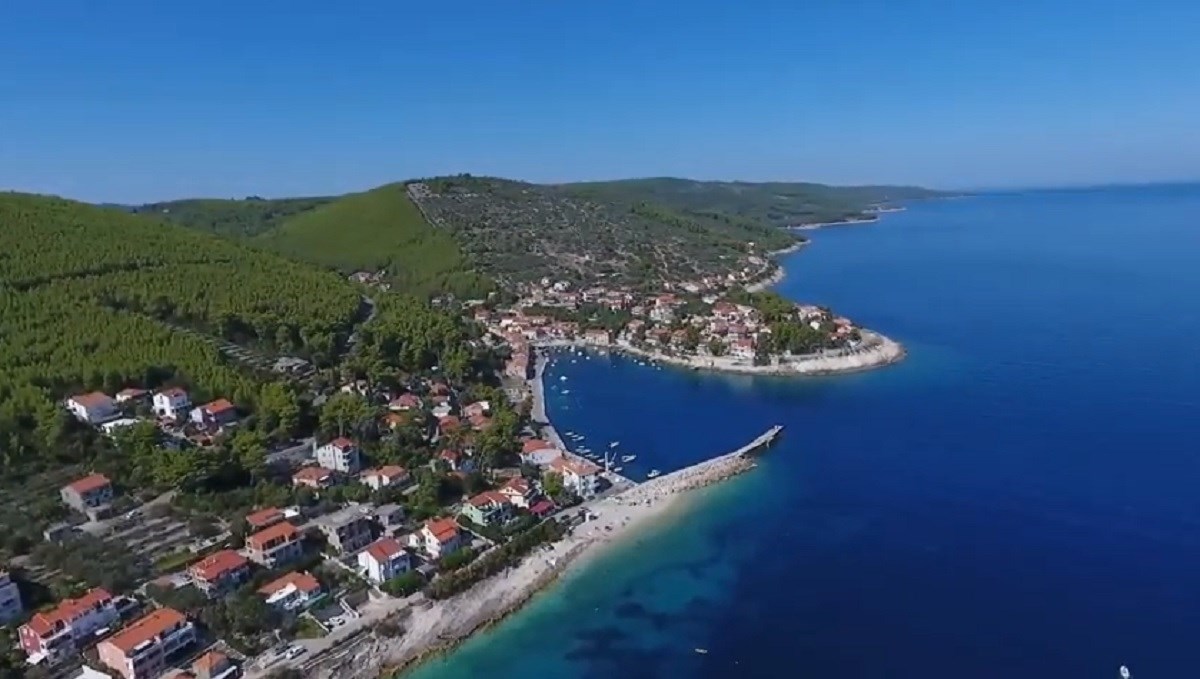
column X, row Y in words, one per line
column 295, row 652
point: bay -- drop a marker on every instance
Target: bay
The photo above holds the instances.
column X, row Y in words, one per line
column 1017, row 498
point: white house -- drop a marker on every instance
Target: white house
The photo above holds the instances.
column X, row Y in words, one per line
column 92, row 408
column 294, row 591
column 438, row 538
column 340, row 455
column 172, row 403
column 580, row 476
column 57, row 634
column 519, row 491
column 383, row 477
column 383, row 560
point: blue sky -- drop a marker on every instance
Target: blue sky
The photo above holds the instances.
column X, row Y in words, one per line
column 135, row 101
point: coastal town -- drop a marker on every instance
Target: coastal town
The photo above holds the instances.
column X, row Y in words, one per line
column 410, row 511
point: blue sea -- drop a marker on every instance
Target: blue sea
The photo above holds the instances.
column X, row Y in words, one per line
column 1019, row 498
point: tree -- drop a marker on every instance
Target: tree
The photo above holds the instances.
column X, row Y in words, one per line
column 278, row 411
column 717, row 347
column 347, row 415
column 552, row 484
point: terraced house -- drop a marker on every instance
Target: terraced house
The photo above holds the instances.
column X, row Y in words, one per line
column 59, row 633
column 275, row 546
column 220, row 572
column 143, row 649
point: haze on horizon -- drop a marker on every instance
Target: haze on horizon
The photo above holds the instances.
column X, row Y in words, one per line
column 135, row 101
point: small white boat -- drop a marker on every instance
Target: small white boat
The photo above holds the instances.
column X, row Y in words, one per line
column 653, row 473
column 563, row 378
column 618, row 469
column 702, row 651
column 566, row 391
column 1124, row 672
column 628, row 458
column 614, row 444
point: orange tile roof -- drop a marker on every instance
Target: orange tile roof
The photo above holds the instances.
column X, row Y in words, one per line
column 314, row 474
column 174, row 392
column 67, row 611
column 488, row 497
column 89, row 483
column 216, row 565
column 342, row 443
column 210, row 661
column 218, row 406
column 91, row 399
column 146, row 628
column 264, row 517
column 280, row 530
column 533, row 445
column 384, row 549
column 443, row 530
column 301, row 581
column 576, row 467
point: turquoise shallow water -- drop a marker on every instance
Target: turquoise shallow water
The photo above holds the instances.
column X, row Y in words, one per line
column 1018, row 498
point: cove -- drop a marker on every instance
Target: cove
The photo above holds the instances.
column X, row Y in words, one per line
column 1018, row 497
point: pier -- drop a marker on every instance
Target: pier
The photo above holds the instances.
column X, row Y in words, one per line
column 703, row 473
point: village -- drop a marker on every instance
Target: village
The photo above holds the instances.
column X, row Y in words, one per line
column 317, row 567
column 361, row 540
column 699, row 326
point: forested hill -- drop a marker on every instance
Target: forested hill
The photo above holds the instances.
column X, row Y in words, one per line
column 774, row 203
column 231, row 218
column 462, row 234
column 520, row 232
column 377, row 230
column 97, row 298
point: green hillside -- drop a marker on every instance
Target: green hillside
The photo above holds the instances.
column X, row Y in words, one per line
column 379, row 229
column 520, row 232
column 230, row 218
column 94, row 298
column 772, row 203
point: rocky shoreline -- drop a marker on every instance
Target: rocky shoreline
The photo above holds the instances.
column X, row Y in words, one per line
column 876, row 351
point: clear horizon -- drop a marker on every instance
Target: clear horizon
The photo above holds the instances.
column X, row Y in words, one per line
column 135, row 102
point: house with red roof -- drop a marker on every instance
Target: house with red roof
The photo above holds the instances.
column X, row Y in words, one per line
column 341, row 455
column 93, row 408
column 438, row 537
column 219, row 572
column 538, row 452
column 215, row 414
column 488, row 508
column 384, row 477
column 383, row 560
column 317, row 478
column 406, row 401
column 215, row 665
column 171, row 403
column 90, row 495
column 59, row 633
column 275, row 546
column 294, row 591
column 264, row 518
column 142, row 650
column 519, row 491
column 578, row 475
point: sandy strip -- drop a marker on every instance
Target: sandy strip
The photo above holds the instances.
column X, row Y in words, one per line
column 436, row 627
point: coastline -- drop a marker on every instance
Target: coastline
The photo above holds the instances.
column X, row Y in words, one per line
column 434, row 628
column 877, row 351
column 844, row 222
